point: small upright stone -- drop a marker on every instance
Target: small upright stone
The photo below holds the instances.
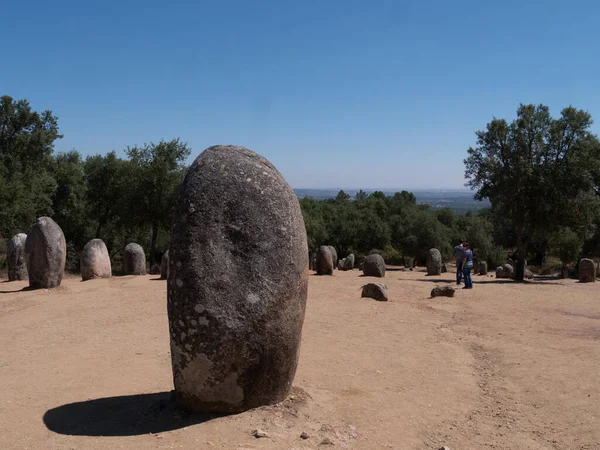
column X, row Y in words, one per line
column 15, row 257
column 237, row 283
column 324, row 261
column 46, row 254
column 434, row 262
column 95, row 261
column 334, row 256
column 349, row 262
column 340, row 265
column 444, row 291
column 587, row 271
column 482, row 268
column 164, row 266
column 374, row 266
column 134, row 260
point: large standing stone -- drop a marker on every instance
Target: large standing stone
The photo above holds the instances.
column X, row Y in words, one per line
column 374, row 266
column 587, row 271
column 46, row 254
column 164, row 266
column 134, row 260
column 324, row 261
column 349, row 262
column 237, row 283
column 434, row 262
column 15, row 257
column 95, row 261
column 334, row 256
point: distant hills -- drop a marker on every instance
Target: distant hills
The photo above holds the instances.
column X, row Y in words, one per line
column 458, row 200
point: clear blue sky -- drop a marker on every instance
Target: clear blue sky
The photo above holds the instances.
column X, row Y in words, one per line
column 380, row 94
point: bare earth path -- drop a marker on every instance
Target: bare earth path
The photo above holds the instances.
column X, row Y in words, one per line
column 504, row 366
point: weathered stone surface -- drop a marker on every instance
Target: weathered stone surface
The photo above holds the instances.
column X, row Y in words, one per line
column 164, row 266
column 237, row 283
column 340, row 264
column 134, row 260
column 324, row 261
column 95, row 261
column 434, row 262
column 46, row 254
column 482, row 268
column 444, row 268
column 505, row 271
column 334, row 255
column 374, row 266
column 15, row 257
column 444, row 291
column 349, row 262
column 377, row 291
column 587, row 271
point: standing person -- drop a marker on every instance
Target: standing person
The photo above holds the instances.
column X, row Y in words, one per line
column 467, row 266
column 459, row 254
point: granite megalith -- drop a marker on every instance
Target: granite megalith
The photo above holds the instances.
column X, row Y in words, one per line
column 237, row 283
column 134, row 260
column 376, row 291
column 324, row 261
column 95, row 261
column 587, row 271
column 434, row 262
column 374, row 266
column 15, row 257
column 164, row 265
column 45, row 254
column 334, row 255
column 349, row 262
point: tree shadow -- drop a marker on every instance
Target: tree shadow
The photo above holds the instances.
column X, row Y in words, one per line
column 128, row 415
column 483, row 280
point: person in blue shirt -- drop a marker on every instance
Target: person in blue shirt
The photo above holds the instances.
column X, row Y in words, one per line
column 459, row 254
column 467, row 266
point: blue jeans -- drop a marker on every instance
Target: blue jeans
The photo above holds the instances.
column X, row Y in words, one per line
column 459, row 272
column 467, row 274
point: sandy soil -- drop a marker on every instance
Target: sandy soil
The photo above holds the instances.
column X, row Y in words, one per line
column 504, row 366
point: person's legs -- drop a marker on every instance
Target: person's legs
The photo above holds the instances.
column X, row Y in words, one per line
column 468, row 280
column 459, row 273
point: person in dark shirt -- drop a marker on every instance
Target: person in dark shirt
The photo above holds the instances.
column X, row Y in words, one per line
column 459, row 254
column 467, row 266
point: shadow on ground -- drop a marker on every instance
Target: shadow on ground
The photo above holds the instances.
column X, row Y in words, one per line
column 129, row 415
column 26, row 288
column 487, row 280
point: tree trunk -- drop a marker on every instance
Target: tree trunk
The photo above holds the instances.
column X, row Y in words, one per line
column 520, row 269
column 153, row 242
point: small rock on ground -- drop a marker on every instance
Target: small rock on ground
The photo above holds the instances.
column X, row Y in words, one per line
column 304, row 435
column 326, row 441
column 258, row 433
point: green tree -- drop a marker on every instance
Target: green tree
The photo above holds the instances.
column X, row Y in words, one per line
column 156, row 174
column 567, row 245
column 26, row 184
column 537, row 171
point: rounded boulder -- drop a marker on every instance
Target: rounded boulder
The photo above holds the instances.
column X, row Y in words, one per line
column 334, row 255
column 587, row 271
column 434, row 262
column 134, row 260
column 45, row 254
column 237, row 284
column 15, row 257
column 374, row 266
column 95, row 261
column 349, row 262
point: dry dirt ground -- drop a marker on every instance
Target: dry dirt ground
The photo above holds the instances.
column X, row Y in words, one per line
column 504, row 366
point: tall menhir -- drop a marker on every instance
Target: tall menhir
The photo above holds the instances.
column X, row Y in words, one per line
column 237, row 283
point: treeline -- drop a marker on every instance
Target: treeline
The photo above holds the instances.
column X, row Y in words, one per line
column 541, row 175
column 116, row 199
